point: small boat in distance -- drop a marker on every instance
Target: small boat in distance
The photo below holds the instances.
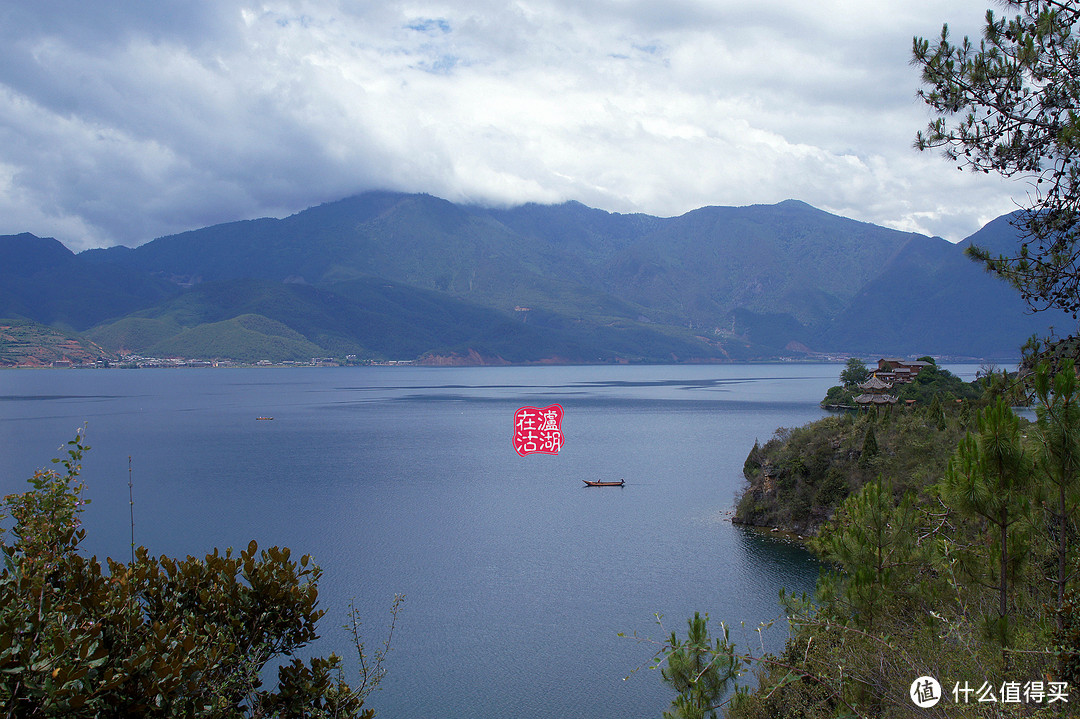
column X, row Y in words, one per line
column 620, row 483
column 258, row 418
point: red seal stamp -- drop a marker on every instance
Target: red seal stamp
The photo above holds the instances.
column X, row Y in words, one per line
column 538, row 430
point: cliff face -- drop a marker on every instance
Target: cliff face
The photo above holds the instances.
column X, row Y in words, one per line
column 796, row 480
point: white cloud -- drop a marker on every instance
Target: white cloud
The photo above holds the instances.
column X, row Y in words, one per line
column 125, row 123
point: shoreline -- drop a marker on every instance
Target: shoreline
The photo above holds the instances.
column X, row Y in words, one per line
column 176, row 363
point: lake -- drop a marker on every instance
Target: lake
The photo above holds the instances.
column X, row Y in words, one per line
column 518, row 578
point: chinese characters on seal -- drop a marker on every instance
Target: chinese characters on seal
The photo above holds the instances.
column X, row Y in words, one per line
column 538, row 430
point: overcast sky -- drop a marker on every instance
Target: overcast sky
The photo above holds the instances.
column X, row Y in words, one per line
column 125, row 120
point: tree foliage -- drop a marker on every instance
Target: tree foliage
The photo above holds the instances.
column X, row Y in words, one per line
column 969, row 570
column 800, row 476
column 989, row 480
column 158, row 637
column 871, row 539
column 932, row 382
column 700, row 669
column 854, row 372
column 838, row 396
column 1010, row 105
column 1058, row 463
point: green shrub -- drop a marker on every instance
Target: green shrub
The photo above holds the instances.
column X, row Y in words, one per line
column 158, row 637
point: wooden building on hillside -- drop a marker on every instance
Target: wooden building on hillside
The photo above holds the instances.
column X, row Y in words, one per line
column 875, row 393
column 899, row 371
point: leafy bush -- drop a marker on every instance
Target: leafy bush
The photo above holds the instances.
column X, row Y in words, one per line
column 932, row 382
column 839, row 397
column 158, row 637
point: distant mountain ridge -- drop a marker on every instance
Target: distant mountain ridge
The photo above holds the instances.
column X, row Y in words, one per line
column 42, row 280
column 695, row 268
column 391, row 275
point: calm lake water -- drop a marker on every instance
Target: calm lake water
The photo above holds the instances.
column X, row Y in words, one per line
column 404, row 480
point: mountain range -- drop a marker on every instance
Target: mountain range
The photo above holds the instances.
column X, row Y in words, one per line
column 409, row 276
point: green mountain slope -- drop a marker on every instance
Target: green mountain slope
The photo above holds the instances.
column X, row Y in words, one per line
column 419, row 240
column 539, row 281
column 693, row 271
column 373, row 318
column 245, row 338
column 786, row 259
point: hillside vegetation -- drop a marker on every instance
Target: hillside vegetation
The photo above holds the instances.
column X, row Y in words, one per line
column 157, row 636
column 27, row 343
column 797, row 479
column 948, row 534
column 396, row 276
column 763, row 278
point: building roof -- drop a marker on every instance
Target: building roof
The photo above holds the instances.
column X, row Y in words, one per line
column 875, row 399
column 904, row 362
column 875, row 383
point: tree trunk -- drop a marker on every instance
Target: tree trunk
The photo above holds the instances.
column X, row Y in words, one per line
column 1003, row 594
column 1062, row 550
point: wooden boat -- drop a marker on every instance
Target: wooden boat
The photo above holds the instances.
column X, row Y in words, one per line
column 620, row 483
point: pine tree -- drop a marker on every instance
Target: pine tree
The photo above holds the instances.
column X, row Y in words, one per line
column 700, row 670
column 989, row 480
column 872, row 539
column 1009, row 105
column 937, row 413
column 869, row 446
column 1058, row 431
